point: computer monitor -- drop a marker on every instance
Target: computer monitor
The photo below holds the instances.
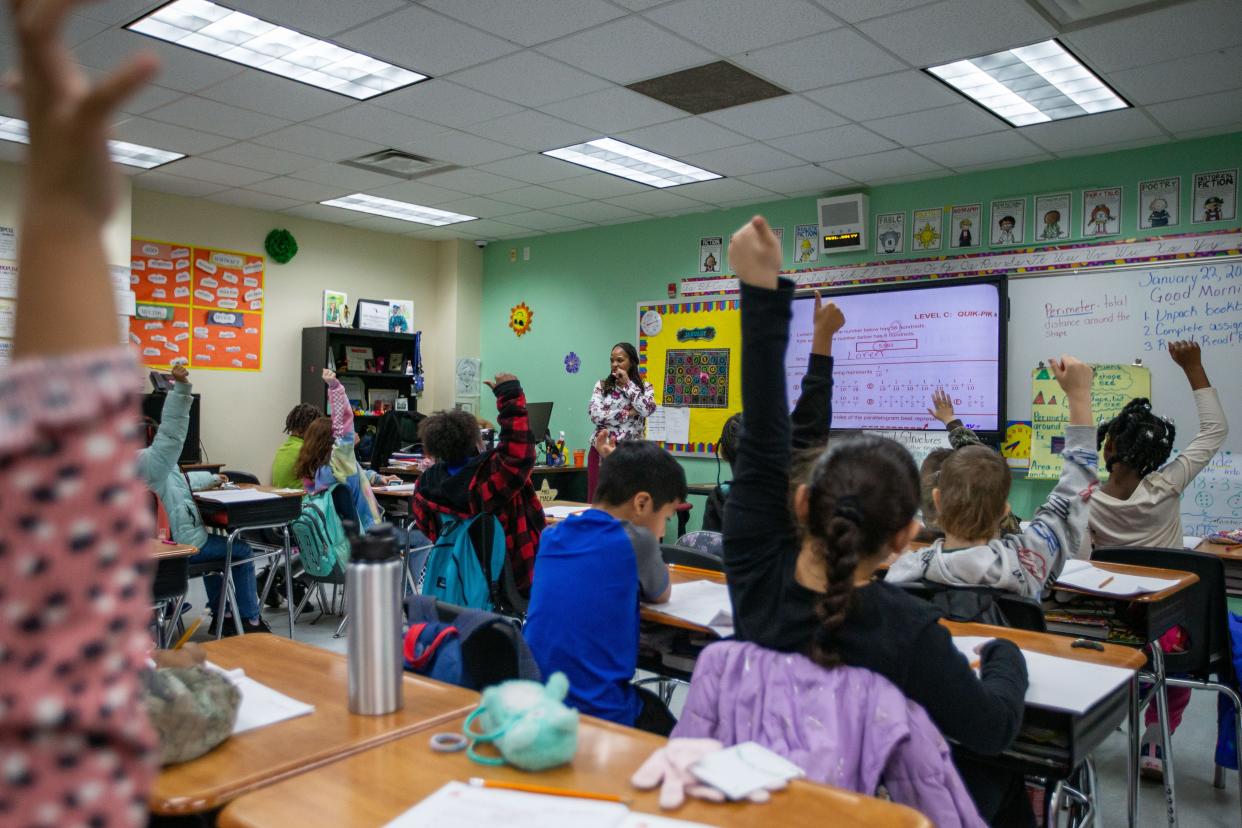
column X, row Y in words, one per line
column 539, row 415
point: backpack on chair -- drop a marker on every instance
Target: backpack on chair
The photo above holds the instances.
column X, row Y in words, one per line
column 462, row 572
column 320, row 535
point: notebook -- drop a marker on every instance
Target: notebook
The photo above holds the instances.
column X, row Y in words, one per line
column 1058, row 683
column 236, row 495
column 1086, row 576
column 705, row 603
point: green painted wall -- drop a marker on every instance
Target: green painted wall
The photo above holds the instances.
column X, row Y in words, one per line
column 583, row 286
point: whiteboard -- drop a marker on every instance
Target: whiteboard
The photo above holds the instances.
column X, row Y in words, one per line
column 1133, row 312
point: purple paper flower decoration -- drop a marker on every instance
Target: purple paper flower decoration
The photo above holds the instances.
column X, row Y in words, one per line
column 572, row 363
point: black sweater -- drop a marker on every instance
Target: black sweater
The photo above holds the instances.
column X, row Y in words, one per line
column 888, row 631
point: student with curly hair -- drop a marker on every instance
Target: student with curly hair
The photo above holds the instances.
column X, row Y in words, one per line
column 299, row 419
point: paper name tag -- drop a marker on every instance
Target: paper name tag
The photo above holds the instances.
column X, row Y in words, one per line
column 743, row 769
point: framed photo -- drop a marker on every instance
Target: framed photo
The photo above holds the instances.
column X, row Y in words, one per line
column 357, row 357
column 1053, row 216
column 1215, row 196
column 965, row 225
column 396, row 362
column 369, row 366
column 1101, row 212
column 335, row 309
column 926, row 234
column 403, row 404
column 1008, row 221
column 890, row 232
column 1160, row 202
column 372, row 315
column 400, row 315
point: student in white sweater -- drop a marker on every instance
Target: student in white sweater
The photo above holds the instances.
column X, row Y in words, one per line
column 1140, row 504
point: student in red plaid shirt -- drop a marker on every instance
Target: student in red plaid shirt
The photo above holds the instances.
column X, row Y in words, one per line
column 467, row 480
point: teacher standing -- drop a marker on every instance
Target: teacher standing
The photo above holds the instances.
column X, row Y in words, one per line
column 620, row 405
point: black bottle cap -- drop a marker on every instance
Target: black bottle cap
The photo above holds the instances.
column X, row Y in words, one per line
column 377, row 545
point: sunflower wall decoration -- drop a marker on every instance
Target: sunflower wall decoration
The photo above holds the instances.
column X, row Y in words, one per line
column 520, row 318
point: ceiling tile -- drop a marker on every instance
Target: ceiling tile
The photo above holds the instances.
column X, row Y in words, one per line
column 253, row 200
column 638, row 5
column 265, row 159
column 116, row 11
column 318, row 212
column 494, row 229
column 462, row 148
column 1178, row 30
column 351, row 178
column 1115, row 147
column 317, row 17
column 956, row 29
column 318, row 143
column 175, row 184
column 613, row 110
column 180, row 68
column 597, row 185
column 148, row 98
column 823, row 59
column 1221, row 129
column 383, row 224
column 267, row 93
column 535, row 197
column 597, row 211
column 167, row 136
column 528, row 21
column 475, row 182
column 797, row 180
column 884, row 96
column 724, row 190
column 853, row 11
column 655, row 201
column 534, row 169
column 1092, row 130
column 775, row 117
column 215, row 172
column 1172, row 79
column 425, row 41
column 743, row 159
column 538, row 220
column 728, row 27
column 535, row 131
column 445, row 102
column 298, row 190
column 983, row 149
column 885, row 165
column 829, row 144
column 13, row 152
column 416, row 192
column 1198, row 113
column 211, row 116
column 628, row 50
column 957, row 121
column 373, row 123
column 529, row 79
column 480, row 207
column 684, row 137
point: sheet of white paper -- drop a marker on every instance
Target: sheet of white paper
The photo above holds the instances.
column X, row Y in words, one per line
column 742, row 769
column 236, row 495
column 1086, row 576
column 700, row 602
column 637, row 820
column 1058, row 683
column 562, row 512
column 669, row 425
column 6, row 352
column 1190, row 541
column 126, row 302
column 8, row 281
column 261, row 705
column 398, row 488
column 8, row 242
column 457, row 805
column 8, row 317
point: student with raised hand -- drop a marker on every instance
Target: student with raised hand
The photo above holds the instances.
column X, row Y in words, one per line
column 802, row 582
column 75, row 744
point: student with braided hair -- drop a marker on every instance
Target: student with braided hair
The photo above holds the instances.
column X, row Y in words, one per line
column 801, row 582
column 299, row 419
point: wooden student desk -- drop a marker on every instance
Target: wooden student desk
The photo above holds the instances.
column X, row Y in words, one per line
column 376, row 786
column 214, row 468
column 161, row 551
column 678, row 574
column 1231, row 558
column 264, row 756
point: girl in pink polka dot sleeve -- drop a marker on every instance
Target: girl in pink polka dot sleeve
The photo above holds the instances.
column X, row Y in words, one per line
column 75, row 744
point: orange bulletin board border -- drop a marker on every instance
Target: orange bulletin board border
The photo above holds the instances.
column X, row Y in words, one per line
column 203, row 304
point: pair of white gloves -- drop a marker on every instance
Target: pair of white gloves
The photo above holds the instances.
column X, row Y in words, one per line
column 669, row 767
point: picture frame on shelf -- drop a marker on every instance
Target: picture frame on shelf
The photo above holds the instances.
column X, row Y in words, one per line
column 357, row 357
column 372, row 315
column 396, row 362
column 369, row 366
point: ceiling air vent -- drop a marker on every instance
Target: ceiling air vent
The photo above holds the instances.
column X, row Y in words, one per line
column 398, row 164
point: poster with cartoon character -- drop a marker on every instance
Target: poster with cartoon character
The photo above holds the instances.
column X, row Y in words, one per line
column 926, row 233
column 965, row 225
column 1052, row 216
column 1160, row 202
column 779, row 232
column 806, row 244
column 1008, row 218
column 890, row 232
column 1101, row 212
column 1215, row 196
column 710, row 249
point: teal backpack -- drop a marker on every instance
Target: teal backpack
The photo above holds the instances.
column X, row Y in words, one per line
column 460, row 573
column 320, row 535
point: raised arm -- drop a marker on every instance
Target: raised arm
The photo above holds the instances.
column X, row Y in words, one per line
column 507, row 469
column 812, row 415
column 159, row 459
column 338, row 403
column 1213, row 427
column 942, row 410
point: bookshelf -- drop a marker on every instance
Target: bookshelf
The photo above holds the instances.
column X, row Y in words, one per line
column 317, row 343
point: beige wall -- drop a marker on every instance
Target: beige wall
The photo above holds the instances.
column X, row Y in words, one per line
column 460, row 278
column 116, row 234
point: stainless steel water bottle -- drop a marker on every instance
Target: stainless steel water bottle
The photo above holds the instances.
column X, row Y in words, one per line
column 373, row 597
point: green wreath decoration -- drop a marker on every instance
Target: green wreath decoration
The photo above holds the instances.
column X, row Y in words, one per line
column 281, row 246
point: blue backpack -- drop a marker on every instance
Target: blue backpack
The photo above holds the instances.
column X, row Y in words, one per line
column 320, row 535
column 459, row 573
column 433, row 649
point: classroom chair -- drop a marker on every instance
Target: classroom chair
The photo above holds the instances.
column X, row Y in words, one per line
column 676, row 554
column 982, row 605
column 705, row 541
column 492, row 647
column 1210, row 652
column 240, row 477
column 168, row 590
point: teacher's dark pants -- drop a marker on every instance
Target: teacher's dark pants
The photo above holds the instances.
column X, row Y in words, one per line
column 593, row 459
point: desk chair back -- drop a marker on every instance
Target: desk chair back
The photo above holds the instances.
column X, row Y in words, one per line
column 686, row 556
column 492, row 647
column 981, row 605
column 240, row 476
column 704, row 541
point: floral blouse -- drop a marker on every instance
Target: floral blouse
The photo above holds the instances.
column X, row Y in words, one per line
column 622, row 412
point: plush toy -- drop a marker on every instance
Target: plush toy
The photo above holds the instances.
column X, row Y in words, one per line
column 529, row 724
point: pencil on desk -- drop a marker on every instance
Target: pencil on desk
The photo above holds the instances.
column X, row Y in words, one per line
column 1106, row 582
column 542, row 789
column 193, row 629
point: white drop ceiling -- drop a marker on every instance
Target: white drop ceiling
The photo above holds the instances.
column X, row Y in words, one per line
column 514, row 77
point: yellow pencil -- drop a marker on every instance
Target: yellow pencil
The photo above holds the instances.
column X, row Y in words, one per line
column 1106, row 582
column 542, row 789
column 188, row 633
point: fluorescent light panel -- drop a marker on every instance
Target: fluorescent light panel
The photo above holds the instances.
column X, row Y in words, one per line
column 402, row 210
column 635, row 163
column 232, row 35
column 1031, row 84
column 122, row 152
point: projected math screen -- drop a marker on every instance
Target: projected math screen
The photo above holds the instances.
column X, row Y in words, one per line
column 898, row 346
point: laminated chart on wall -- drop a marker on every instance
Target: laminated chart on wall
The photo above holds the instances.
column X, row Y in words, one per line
column 1213, row 501
column 691, row 354
column 198, row 303
column 1112, row 387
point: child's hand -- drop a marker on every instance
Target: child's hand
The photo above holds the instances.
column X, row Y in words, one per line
column 605, row 444
column 754, row 254
column 190, row 655
column 69, row 166
column 828, row 319
column 328, row 375
column 942, row 407
column 1073, row 375
column 180, row 373
column 500, row 378
column 1186, row 354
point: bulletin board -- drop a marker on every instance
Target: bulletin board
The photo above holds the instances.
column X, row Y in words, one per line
column 197, row 303
column 691, row 353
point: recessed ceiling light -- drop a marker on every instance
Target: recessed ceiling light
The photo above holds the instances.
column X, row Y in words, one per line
column 402, row 210
column 122, row 152
column 1031, row 84
column 635, row 163
column 232, row 35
